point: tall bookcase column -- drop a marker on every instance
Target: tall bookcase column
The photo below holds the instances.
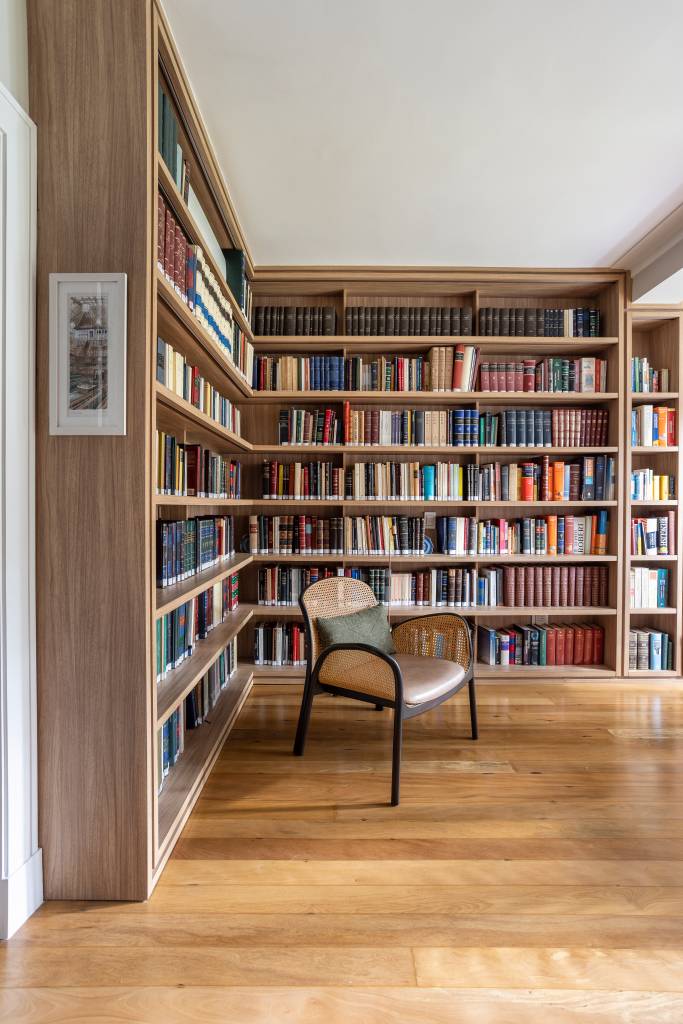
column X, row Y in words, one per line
column 95, row 202
column 655, row 334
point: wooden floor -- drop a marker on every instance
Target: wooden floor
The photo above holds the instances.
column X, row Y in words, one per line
column 534, row 876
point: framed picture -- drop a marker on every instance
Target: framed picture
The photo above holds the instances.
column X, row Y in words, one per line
column 88, row 354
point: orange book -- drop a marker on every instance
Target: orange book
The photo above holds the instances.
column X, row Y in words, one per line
column 662, row 425
column 558, row 481
column 458, row 366
column 552, row 535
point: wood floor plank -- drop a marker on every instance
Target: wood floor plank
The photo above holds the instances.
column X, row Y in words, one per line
column 216, row 1005
column 423, row 872
column 529, row 878
column 585, row 969
column 83, row 926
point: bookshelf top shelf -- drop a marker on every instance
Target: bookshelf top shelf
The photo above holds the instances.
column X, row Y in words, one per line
column 191, row 228
column 653, row 397
column 564, row 346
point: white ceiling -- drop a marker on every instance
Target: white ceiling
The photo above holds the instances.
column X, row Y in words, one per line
column 534, row 133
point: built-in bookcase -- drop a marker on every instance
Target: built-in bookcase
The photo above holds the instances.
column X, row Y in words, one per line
column 655, row 335
column 445, row 289
column 98, row 604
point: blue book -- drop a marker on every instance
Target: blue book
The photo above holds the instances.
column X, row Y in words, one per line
column 662, row 587
column 442, row 534
column 428, row 482
column 451, row 536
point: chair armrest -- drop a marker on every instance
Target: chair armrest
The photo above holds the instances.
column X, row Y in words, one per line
column 418, row 635
column 382, row 680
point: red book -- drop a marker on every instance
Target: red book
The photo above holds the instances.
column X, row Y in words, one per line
column 670, row 426
column 169, row 246
column 519, row 377
column 484, row 378
column 538, row 584
column 180, row 262
column 547, row 586
column 598, row 645
column 569, row 646
column 551, row 646
column 493, row 377
column 193, row 456
column 529, row 375
column 520, row 588
column 458, row 367
column 559, row 646
column 579, row 643
column 161, row 231
column 555, row 587
column 326, row 426
column 510, row 377
column 589, row 647
column 571, row 585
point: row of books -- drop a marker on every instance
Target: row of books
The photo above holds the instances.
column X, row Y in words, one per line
column 279, row 643
column 653, row 426
column 456, row 428
column 339, row 373
column 189, row 470
column 545, row 535
column 384, row 535
column 587, row 374
column 586, row 479
column 554, row 586
column 645, row 379
column 178, row 631
column 202, row 699
column 409, row 321
column 577, row 643
column 646, row 485
column 187, row 270
column 650, row 650
column 168, row 145
column 648, row 588
column 170, row 743
column 187, row 546
column 186, row 381
column 298, row 321
column 193, row 711
column 296, row 535
column 654, row 535
column 574, row 586
column 444, row 369
column 503, row 321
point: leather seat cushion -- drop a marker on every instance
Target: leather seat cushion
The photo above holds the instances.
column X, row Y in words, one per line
column 425, row 679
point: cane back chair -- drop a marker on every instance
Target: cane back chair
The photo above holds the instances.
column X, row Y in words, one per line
column 433, row 661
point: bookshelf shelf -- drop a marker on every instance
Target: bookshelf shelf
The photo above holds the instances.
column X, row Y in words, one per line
column 644, row 559
column 168, row 598
column 545, row 671
column 237, row 386
column 655, row 335
column 414, row 452
column 191, row 228
column 265, row 611
column 180, row 681
column 400, row 343
column 433, row 560
column 654, row 449
column 202, row 746
column 209, row 430
column 653, row 397
column 433, row 397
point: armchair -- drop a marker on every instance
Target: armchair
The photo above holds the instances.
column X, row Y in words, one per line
column 433, row 661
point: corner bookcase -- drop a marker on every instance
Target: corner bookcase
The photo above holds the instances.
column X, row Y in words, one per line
column 654, row 334
column 107, row 827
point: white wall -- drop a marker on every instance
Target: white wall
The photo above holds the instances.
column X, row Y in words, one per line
column 14, row 49
column 21, row 880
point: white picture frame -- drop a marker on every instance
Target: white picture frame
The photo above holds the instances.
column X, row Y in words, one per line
column 88, row 314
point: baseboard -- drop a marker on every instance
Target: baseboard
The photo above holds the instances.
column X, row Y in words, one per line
column 20, row 895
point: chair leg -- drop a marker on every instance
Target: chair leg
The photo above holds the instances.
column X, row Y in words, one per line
column 304, row 719
column 473, row 710
column 396, row 757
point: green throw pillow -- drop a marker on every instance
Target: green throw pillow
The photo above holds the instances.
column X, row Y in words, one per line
column 369, row 626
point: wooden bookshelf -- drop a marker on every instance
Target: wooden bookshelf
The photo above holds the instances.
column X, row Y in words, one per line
column 100, row 705
column 657, row 335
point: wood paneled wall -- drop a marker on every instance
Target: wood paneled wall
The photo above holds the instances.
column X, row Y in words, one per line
column 90, row 96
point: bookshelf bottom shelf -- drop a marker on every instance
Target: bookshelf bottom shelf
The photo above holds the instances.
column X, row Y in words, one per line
column 290, row 673
column 202, row 745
